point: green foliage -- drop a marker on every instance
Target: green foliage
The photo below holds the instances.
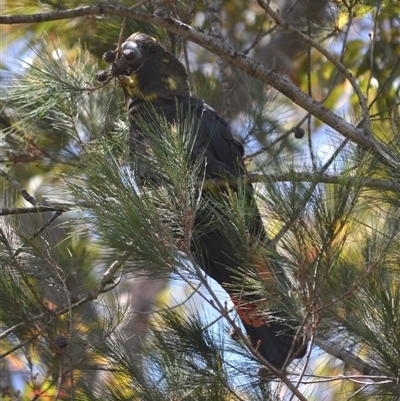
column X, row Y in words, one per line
column 66, row 273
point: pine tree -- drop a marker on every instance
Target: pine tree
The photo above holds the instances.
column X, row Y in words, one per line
column 76, row 225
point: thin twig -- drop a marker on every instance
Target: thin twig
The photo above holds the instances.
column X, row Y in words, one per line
column 275, row 141
column 213, row 9
column 309, row 87
column 308, row 194
column 35, row 234
column 330, row 90
column 352, row 289
column 344, row 46
column 4, row 240
column 264, row 4
column 29, row 198
column 360, row 390
column 260, row 35
column 359, row 379
column 317, row 178
column 303, row 370
column 27, row 341
column 159, row 8
column 106, row 279
column 385, row 82
column 60, row 275
column 372, row 36
column 124, row 22
column 36, row 209
column 187, row 63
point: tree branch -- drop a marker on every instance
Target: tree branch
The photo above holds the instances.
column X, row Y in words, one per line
column 382, row 185
column 347, row 357
column 36, row 209
column 280, row 21
column 237, row 58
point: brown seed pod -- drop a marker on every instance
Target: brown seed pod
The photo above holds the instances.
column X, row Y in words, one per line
column 264, row 373
column 119, row 67
column 109, row 56
column 129, row 54
column 61, row 341
column 101, row 76
column 299, row 133
column 234, row 335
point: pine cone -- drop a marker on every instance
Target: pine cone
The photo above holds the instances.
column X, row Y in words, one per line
column 61, row 342
column 234, row 335
column 264, row 373
column 299, row 133
column 119, row 67
column 109, row 56
column 102, row 76
column 129, row 54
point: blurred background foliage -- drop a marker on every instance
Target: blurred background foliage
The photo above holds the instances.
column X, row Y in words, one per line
column 340, row 242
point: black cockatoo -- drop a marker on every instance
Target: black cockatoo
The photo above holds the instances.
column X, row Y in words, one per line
column 155, row 81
